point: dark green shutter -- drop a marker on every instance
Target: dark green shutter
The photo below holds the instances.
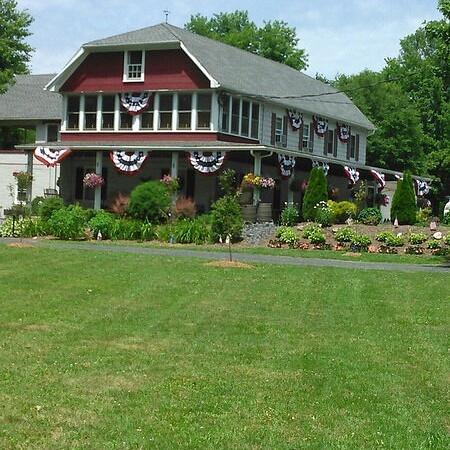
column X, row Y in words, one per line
column 285, row 131
column 335, row 143
column 272, row 131
column 300, row 137
column 311, row 137
column 357, row 148
column 349, row 142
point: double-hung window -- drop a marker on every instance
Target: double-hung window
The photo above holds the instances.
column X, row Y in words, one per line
column 352, row 146
column 108, row 106
column 147, row 118
column 73, row 113
column 245, row 117
column 305, row 139
column 329, row 142
column 126, row 120
column 184, row 111
column 134, row 62
column 90, row 112
column 165, row 111
column 279, row 131
column 235, row 109
column 255, row 121
column 204, row 111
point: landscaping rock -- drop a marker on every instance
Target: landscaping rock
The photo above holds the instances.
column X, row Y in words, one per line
column 437, row 235
column 258, row 233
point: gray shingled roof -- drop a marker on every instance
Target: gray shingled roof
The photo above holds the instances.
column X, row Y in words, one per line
column 240, row 71
column 26, row 100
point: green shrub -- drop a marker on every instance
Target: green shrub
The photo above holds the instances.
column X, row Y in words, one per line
column 126, row 229
column 68, row 222
column 423, row 216
column 35, row 205
column 150, row 201
column 417, row 238
column 324, row 214
column 165, row 232
column 370, row 216
column 447, row 239
column 433, row 244
column 404, row 205
column 226, row 218
column 360, row 242
column 310, row 229
column 148, row 231
column 287, row 235
column 342, row 211
column 103, row 223
column 389, row 239
column 192, row 231
column 344, row 235
column 11, row 227
column 446, row 219
column 317, row 237
column 49, row 205
column 289, row 216
column 316, row 192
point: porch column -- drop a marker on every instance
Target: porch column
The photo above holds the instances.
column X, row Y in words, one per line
column 290, row 195
column 174, row 165
column 30, row 171
column 98, row 171
column 256, row 171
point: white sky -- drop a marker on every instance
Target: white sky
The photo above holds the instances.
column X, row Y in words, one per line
column 340, row 37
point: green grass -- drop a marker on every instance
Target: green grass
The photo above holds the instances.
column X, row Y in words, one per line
column 115, row 351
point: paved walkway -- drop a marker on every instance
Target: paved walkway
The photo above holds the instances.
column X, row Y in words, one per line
column 244, row 257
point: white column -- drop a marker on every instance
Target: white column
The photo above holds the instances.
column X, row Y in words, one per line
column 257, row 171
column 81, row 115
column 156, row 112
column 215, row 120
column 194, row 112
column 174, row 111
column 174, row 165
column 98, row 171
column 98, row 117
column 116, row 112
column 64, row 114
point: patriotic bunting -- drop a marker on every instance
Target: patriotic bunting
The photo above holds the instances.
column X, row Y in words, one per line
column 128, row 163
column 422, row 188
column 320, row 126
column 135, row 102
column 287, row 164
column 379, row 178
column 343, row 132
column 51, row 156
column 322, row 165
column 352, row 174
column 206, row 162
column 295, row 119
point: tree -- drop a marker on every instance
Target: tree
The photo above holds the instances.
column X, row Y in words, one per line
column 274, row 40
column 316, row 192
column 15, row 53
column 404, row 207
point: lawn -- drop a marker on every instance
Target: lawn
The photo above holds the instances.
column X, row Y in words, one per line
column 118, row 351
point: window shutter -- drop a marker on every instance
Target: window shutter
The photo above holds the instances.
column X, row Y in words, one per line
column 272, row 131
column 311, row 137
column 79, row 174
column 349, row 142
column 300, row 137
column 285, row 131
column 335, row 143
column 325, row 142
column 357, row 148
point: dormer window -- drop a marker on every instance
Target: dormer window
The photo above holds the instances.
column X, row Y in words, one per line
column 134, row 63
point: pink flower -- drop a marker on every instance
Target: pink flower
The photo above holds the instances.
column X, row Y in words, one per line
column 92, row 180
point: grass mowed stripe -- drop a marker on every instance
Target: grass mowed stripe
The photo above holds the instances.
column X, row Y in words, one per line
column 102, row 350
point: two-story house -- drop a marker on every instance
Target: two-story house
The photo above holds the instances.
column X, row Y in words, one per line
column 162, row 100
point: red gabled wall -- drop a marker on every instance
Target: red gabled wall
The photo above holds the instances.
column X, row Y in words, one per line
column 164, row 69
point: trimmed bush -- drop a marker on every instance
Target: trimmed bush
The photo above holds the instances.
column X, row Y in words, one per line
column 47, row 206
column 404, row 206
column 370, row 216
column 342, row 211
column 150, row 201
column 103, row 223
column 316, row 192
column 289, row 216
column 226, row 218
column 68, row 222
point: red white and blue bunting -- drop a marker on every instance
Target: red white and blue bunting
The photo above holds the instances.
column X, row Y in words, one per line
column 206, row 162
column 128, row 163
column 321, row 165
column 51, row 156
column 379, row 178
column 295, row 119
column 320, row 126
column 343, row 132
column 287, row 164
column 135, row 102
column 422, row 188
column 352, row 174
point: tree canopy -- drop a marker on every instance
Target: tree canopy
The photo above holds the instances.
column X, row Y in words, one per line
column 15, row 53
column 274, row 39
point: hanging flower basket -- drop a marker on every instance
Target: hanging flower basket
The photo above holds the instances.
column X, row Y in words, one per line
column 24, row 180
column 92, row 180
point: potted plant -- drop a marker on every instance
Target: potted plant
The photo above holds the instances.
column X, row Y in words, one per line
column 24, row 180
column 93, row 180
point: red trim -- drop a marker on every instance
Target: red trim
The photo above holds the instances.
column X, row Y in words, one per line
column 67, row 136
column 239, row 139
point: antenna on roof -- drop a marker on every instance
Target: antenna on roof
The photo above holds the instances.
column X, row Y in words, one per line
column 166, row 13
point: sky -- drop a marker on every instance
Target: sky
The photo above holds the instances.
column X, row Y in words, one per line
column 339, row 37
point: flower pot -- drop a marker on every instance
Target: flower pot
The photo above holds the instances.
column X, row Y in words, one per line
column 264, row 213
column 249, row 213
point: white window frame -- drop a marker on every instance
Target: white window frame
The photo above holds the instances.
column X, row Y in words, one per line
column 305, row 137
column 126, row 65
column 279, row 131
